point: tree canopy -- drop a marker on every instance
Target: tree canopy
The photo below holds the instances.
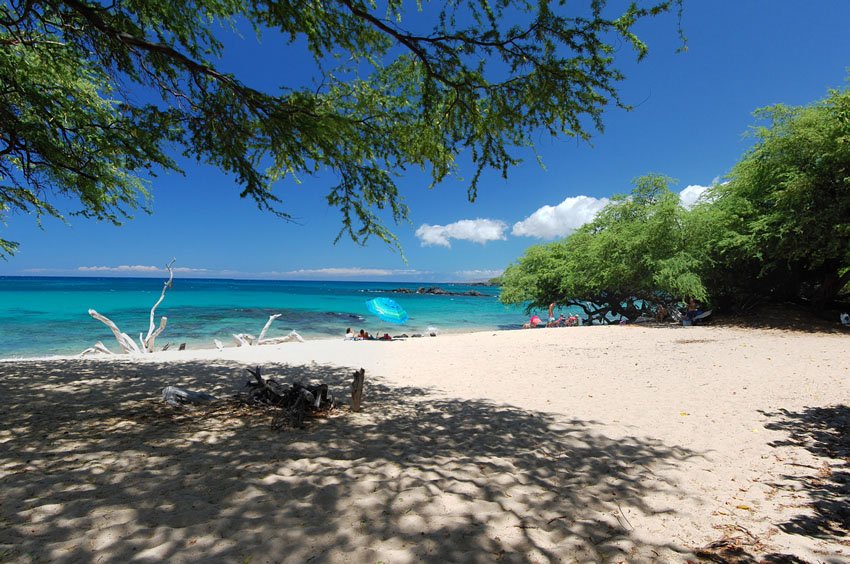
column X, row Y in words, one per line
column 634, row 254
column 782, row 221
column 776, row 229
column 96, row 96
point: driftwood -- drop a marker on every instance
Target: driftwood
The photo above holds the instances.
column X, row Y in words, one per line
column 247, row 340
column 124, row 340
column 177, row 397
column 148, row 341
column 295, row 401
column 357, row 389
column 128, row 346
column 289, row 404
column 98, row 347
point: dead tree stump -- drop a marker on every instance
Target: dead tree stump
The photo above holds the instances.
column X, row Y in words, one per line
column 357, row 389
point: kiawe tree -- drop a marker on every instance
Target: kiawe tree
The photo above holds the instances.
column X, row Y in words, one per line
column 782, row 221
column 636, row 253
column 95, row 97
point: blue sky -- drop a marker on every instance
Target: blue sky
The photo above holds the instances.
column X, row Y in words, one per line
column 691, row 111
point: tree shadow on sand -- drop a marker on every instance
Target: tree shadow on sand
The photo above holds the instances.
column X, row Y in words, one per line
column 825, row 432
column 92, row 465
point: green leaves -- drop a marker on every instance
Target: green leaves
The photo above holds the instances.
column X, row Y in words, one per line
column 787, row 202
column 637, row 247
column 480, row 78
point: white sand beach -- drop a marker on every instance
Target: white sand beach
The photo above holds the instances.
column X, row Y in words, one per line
column 620, row 444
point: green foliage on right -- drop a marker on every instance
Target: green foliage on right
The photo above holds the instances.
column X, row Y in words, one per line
column 782, row 222
column 778, row 229
column 633, row 255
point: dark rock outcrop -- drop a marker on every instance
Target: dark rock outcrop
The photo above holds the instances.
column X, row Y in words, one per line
column 437, row 291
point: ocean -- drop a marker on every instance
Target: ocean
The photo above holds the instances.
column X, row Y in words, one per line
column 43, row 316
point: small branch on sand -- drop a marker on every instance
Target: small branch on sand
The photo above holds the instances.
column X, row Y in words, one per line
column 98, row 348
column 247, row 340
column 176, row 397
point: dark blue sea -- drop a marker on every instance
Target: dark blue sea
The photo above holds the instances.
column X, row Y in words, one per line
column 41, row 316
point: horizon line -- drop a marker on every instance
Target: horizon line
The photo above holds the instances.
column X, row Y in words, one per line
column 246, row 279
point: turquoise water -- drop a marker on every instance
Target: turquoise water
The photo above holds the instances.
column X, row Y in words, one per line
column 46, row 316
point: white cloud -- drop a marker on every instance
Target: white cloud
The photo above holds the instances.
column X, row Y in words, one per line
column 478, row 274
column 341, row 272
column 691, row 194
column 475, row 230
column 550, row 222
column 140, row 268
column 122, row 268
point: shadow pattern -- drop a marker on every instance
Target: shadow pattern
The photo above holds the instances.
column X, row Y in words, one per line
column 825, row 432
column 94, row 467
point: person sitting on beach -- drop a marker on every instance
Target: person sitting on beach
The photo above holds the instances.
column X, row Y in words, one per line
column 349, row 334
column 385, row 337
column 364, row 336
column 557, row 322
column 572, row 321
column 533, row 322
column 660, row 313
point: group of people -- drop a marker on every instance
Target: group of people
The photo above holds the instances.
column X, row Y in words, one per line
column 692, row 311
column 365, row 336
column 561, row 321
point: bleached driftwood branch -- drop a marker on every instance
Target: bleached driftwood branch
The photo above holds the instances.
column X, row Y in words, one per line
column 98, row 348
column 243, row 339
column 124, row 340
column 293, row 336
column 247, row 340
column 266, row 328
column 127, row 344
column 148, row 342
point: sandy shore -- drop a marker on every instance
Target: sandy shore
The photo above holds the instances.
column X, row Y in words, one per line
column 621, row 444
